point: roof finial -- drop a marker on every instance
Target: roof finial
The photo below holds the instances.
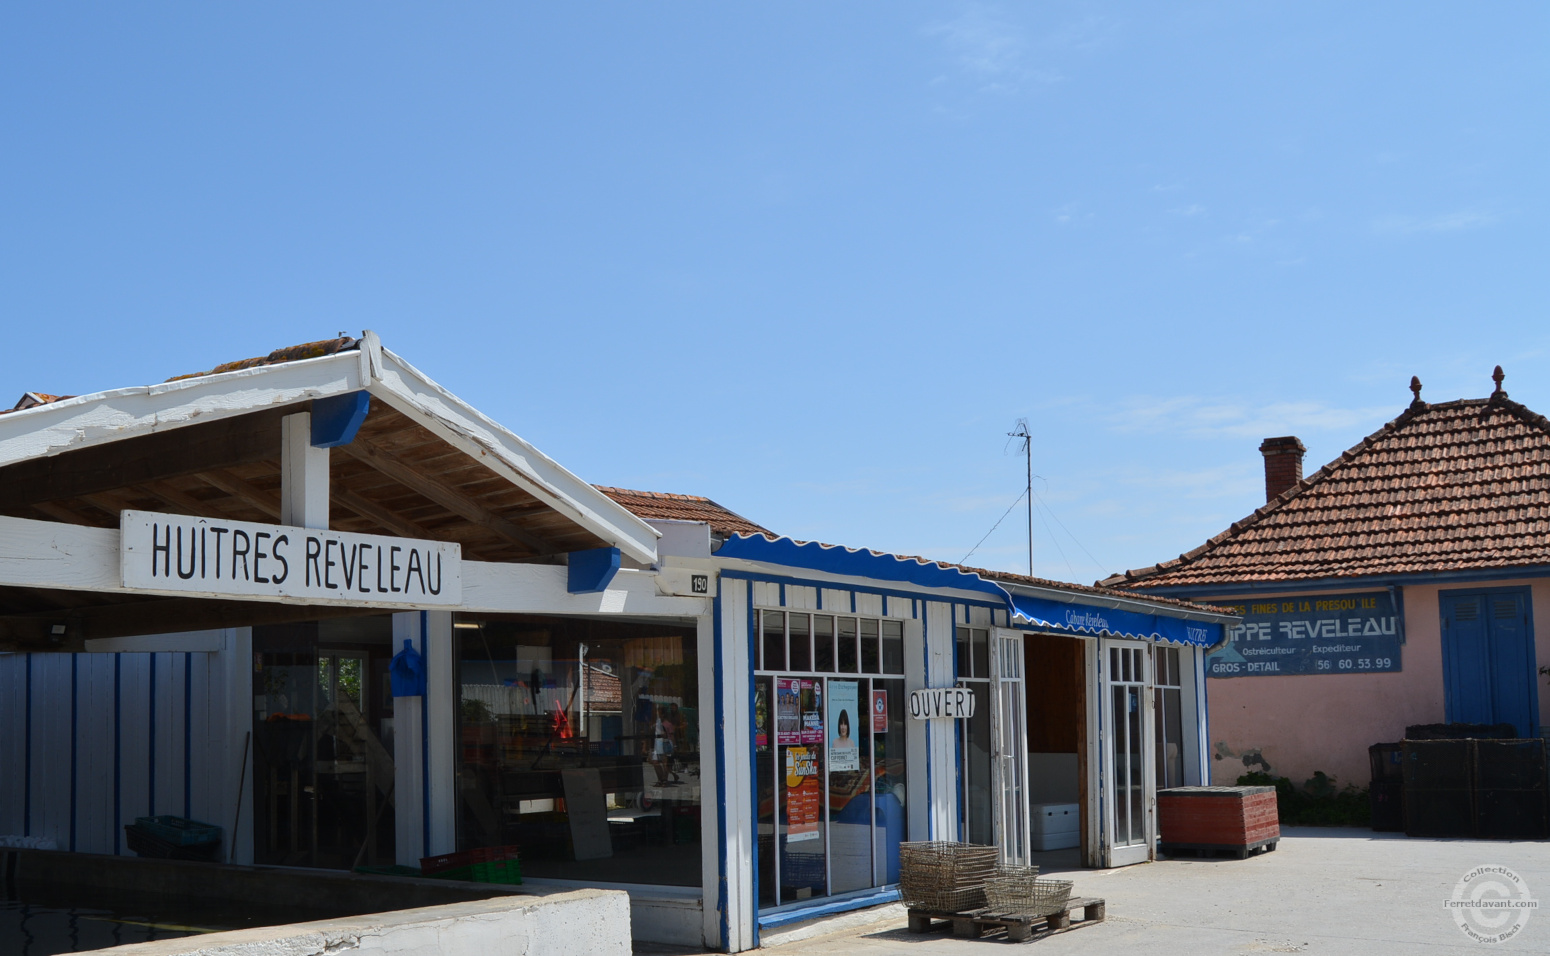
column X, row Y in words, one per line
column 1415, row 389
column 1497, row 377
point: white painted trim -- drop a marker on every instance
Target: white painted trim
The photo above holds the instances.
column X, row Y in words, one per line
column 1202, row 717
column 1096, row 831
column 408, row 763
column 732, row 735
column 442, row 697
column 411, row 392
column 304, row 497
column 50, row 554
column 1192, row 729
column 236, row 663
column 917, row 811
column 541, row 588
column 941, row 736
column 188, row 641
column 710, row 796
column 102, row 417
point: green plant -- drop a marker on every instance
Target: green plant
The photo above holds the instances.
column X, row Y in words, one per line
column 1318, row 802
column 476, row 711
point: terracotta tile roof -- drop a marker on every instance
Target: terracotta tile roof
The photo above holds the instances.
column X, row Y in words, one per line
column 293, row 353
column 1099, row 590
column 655, row 504
column 34, row 399
column 1462, row 484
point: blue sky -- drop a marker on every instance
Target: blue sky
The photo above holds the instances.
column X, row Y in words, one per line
column 811, row 260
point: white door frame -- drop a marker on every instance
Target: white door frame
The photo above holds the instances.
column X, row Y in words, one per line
column 1009, row 736
column 1138, row 690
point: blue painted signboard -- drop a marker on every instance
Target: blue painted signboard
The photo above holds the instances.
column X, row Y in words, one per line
column 1319, row 634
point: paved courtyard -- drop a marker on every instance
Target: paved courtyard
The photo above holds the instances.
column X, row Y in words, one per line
column 1323, row 891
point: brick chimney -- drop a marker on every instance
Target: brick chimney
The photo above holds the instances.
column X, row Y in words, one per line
column 1283, row 464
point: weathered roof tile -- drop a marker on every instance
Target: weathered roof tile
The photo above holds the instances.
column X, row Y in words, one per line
column 1446, row 486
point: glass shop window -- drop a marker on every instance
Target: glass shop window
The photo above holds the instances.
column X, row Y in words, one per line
column 829, row 747
column 323, row 743
column 972, row 659
column 1170, row 718
column 580, row 745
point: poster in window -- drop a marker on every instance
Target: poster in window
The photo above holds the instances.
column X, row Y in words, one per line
column 761, row 716
column 844, row 718
column 812, row 712
column 788, row 711
column 879, row 711
column 802, row 803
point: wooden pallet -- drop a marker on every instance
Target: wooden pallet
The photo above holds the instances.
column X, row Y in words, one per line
column 1236, row 851
column 973, row 924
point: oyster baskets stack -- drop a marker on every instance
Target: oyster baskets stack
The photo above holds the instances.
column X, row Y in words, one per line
column 943, row 876
column 1018, row 891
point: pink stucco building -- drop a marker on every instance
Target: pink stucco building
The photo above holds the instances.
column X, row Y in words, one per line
column 1396, row 585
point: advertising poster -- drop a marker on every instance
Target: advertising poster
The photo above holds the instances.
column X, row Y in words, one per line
column 788, row 711
column 761, row 717
column 812, row 712
column 844, row 721
column 1321, row 634
column 803, row 810
column 879, row 711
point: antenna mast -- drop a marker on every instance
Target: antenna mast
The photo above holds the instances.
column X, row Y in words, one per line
column 1021, row 431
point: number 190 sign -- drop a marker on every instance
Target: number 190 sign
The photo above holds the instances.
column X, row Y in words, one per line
column 1312, row 634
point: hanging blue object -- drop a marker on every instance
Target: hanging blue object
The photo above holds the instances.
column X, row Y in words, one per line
column 407, row 672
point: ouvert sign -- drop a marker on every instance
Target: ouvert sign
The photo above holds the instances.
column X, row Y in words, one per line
column 929, row 702
column 215, row 557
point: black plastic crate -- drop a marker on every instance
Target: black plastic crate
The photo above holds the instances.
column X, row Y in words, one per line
column 1387, row 798
column 1510, row 764
column 1437, row 764
column 1439, row 813
column 1387, row 762
column 1512, row 814
column 1459, row 731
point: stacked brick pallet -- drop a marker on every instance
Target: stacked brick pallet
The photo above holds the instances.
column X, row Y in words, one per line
column 1232, row 820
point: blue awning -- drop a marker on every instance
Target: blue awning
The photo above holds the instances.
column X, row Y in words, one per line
column 1071, row 618
column 1087, row 619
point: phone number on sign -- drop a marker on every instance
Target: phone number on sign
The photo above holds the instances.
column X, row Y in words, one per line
column 1273, row 667
column 1354, row 664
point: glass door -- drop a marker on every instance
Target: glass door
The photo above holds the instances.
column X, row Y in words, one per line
column 1127, row 726
column 1010, row 733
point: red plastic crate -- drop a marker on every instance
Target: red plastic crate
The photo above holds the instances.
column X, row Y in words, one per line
column 1218, row 816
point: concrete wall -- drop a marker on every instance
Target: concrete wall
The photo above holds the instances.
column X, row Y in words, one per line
column 582, row 923
column 1299, row 724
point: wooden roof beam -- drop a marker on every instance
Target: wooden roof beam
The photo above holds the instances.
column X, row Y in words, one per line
column 243, row 490
column 182, row 501
column 168, row 454
column 449, row 498
column 372, row 511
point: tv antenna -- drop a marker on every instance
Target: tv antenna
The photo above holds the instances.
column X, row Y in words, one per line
column 1021, row 431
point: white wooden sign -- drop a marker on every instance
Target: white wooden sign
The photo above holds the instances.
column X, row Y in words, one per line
column 956, row 702
column 241, row 559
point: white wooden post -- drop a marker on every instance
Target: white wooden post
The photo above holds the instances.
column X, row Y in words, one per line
column 408, row 755
column 303, row 474
column 443, row 697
